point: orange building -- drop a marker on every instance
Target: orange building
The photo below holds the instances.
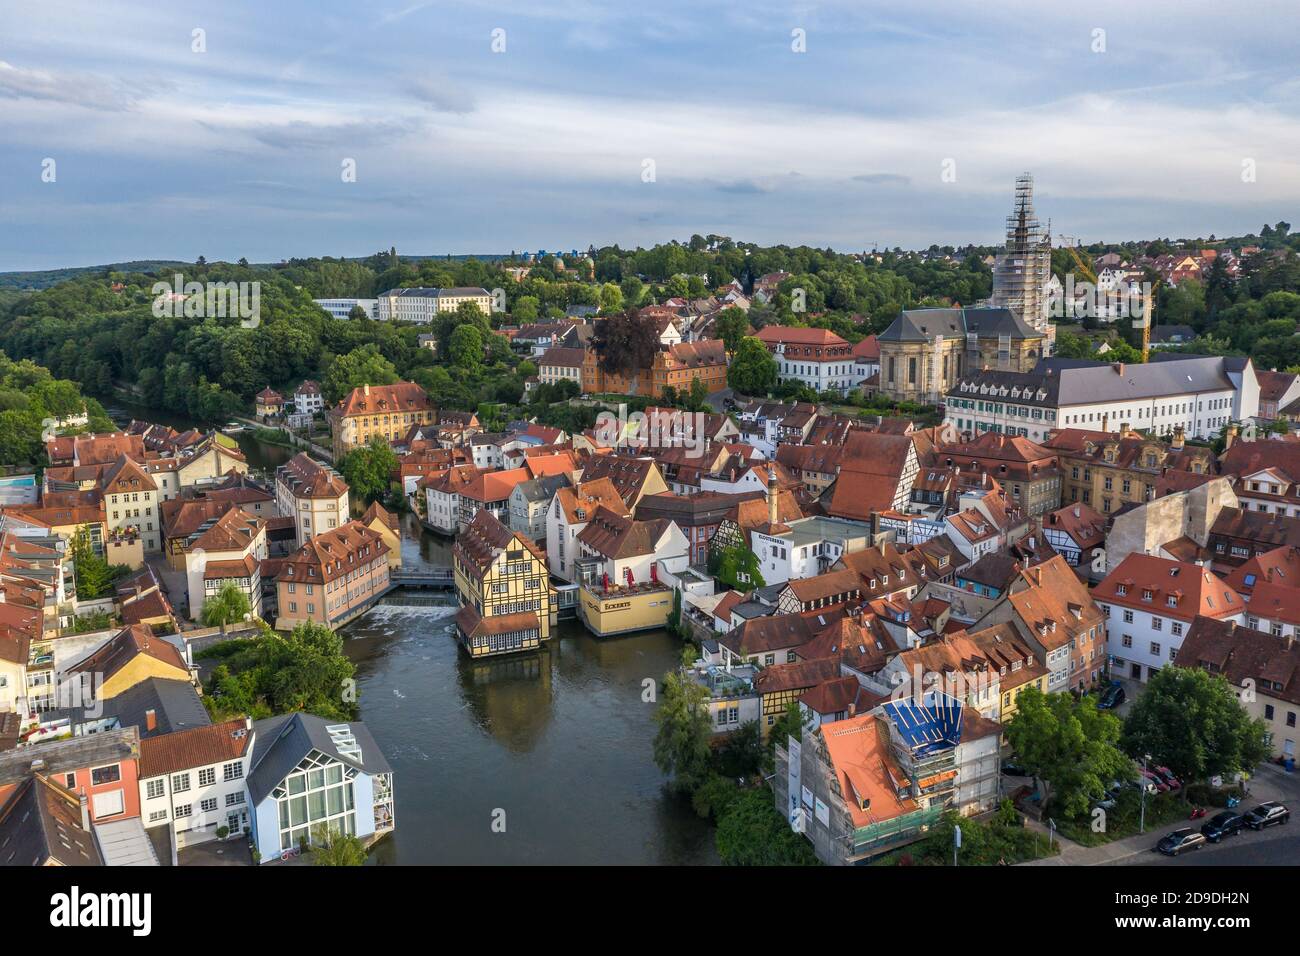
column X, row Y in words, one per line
column 674, row 366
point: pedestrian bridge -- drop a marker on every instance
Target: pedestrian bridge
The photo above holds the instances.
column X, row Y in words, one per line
column 422, row 577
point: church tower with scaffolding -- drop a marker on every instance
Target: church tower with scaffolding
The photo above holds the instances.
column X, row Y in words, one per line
column 1023, row 269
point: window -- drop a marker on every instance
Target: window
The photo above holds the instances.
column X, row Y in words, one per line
column 234, row 799
column 1155, row 649
column 233, row 771
column 108, row 804
column 180, row 782
column 207, row 776
column 154, row 789
column 208, row 805
column 110, row 774
column 184, row 810
column 157, row 816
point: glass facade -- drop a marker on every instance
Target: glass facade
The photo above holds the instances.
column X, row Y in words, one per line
column 318, row 793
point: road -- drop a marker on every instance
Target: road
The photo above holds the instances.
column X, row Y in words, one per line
column 1276, row 846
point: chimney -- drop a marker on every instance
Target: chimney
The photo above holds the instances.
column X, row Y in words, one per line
column 1125, row 430
column 151, row 720
column 1105, row 422
column 771, row 494
column 1177, row 443
column 85, row 811
column 366, row 389
column 1230, row 437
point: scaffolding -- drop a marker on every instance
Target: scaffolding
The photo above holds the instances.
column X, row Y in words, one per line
column 1023, row 269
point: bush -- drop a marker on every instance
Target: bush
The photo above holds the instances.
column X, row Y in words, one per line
column 1204, row 795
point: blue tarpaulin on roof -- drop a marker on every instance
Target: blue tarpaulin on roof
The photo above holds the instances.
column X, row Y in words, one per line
column 932, row 722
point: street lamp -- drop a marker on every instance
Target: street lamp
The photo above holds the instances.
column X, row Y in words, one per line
column 1142, row 821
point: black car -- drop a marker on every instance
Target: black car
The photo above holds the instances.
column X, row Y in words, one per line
column 1014, row 770
column 1184, row 838
column 1112, row 697
column 1267, row 814
column 1223, row 824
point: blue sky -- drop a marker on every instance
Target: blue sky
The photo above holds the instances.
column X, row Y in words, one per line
column 163, row 152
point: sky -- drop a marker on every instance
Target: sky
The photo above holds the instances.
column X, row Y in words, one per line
column 487, row 127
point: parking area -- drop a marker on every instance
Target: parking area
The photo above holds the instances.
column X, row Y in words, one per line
column 216, row 853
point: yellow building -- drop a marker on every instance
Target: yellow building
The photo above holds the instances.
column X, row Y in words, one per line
column 504, row 588
column 134, row 654
column 379, row 520
column 384, row 410
column 621, row 610
column 1014, row 664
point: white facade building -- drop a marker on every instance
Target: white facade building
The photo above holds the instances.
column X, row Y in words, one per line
column 342, row 308
column 1202, row 394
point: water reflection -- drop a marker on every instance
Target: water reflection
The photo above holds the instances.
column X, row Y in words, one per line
column 559, row 740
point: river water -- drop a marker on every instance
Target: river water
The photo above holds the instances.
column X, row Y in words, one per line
column 529, row 759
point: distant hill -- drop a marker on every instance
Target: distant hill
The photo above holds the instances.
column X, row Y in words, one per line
column 35, row 281
column 52, row 277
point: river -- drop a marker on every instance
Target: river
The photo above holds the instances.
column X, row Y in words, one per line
column 555, row 745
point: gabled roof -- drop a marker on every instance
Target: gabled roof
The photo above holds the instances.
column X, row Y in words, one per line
column 283, row 742
column 485, row 538
column 197, row 747
column 307, row 478
column 874, row 788
column 1192, row 589
column 762, row 634
column 378, row 399
column 586, row 497
column 615, row 536
column 922, row 325
column 125, row 646
column 126, row 476
column 40, row 825
column 332, row 554
column 1271, row 662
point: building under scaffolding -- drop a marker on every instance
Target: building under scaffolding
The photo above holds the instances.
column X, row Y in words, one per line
column 1023, row 269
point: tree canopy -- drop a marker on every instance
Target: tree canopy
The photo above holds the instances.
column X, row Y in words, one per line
column 1191, row 722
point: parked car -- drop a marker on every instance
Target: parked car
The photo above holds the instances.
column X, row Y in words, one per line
column 1106, row 801
column 1160, row 785
column 1267, row 814
column 1226, row 823
column 1012, row 769
column 1165, row 774
column 1112, row 697
column 1184, row 838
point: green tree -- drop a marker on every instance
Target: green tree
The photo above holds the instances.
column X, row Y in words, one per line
column 752, row 832
column 527, row 308
column 95, row 576
column 753, row 371
column 611, row 298
column 466, row 347
column 337, row 849
column 280, row 673
column 731, row 326
column 681, row 744
column 1190, row 721
column 1069, row 744
column 368, row 469
column 364, row 365
column 228, row 606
